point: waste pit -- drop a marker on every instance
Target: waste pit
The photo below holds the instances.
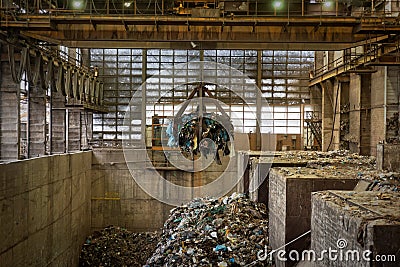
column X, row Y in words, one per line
column 228, row 231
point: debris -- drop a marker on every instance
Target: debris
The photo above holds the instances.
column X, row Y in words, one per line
column 342, row 163
column 229, row 231
column 115, row 246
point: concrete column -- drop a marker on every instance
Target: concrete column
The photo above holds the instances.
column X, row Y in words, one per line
column 9, row 111
column 86, row 129
column 378, row 108
column 365, row 115
column 336, row 93
column 344, row 114
column 327, row 114
column 58, row 123
column 74, row 130
column 354, row 117
column 36, row 122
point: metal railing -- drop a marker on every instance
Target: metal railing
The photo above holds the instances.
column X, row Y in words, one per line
column 253, row 8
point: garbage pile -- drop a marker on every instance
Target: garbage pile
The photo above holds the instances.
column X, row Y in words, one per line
column 384, row 182
column 345, row 164
column 213, row 232
column 337, row 158
column 115, row 246
column 206, row 135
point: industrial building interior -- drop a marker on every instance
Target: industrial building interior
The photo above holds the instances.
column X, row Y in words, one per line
column 200, row 133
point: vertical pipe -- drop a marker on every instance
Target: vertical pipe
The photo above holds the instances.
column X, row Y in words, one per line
column 258, row 101
column 144, row 72
column 385, row 100
column 28, row 131
column 162, row 7
column 134, row 7
column 66, row 130
column 302, row 125
column 18, row 119
column 302, row 7
column 51, row 123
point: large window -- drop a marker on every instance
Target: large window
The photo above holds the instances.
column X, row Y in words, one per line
column 283, row 80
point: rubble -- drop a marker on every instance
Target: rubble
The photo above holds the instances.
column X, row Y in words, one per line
column 343, row 163
column 213, row 232
column 318, row 159
column 115, row 246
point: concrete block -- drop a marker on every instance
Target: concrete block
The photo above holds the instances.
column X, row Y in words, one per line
column 6, row 258
column 20, row 217
column 362, row 185
column 39, row 171
column 16, row 177
column 388, row 157
column 21, row 254
column 97, row 214
column 361, row 221
column 97, row 183
column 7, row 224
column 77, row 163
column 39, row 247
column 60, row 196
column 39, row 209
column 61, row 235
column 78, row 196
column 290, row 205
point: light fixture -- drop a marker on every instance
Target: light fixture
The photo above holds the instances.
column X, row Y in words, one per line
column 328, row 4
column 78, row 4
column 127, row 4
column 193, row 44
column 277, row 4
column 95, row 72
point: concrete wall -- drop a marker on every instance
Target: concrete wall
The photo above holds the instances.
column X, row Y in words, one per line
column 117, row 199
column 362, row 221
column 45, row 210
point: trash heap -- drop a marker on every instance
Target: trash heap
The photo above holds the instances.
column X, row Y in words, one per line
column 343, row 163
column 115, row 246
column 384, row 182
column 213, row 232
column 318, row 159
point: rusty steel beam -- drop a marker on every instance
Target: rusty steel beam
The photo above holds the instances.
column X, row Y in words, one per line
column 79, row 34
column 294, row 33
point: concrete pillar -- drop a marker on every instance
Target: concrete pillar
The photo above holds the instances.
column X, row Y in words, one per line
column 9, row 111
column 327, row 114
column 86, row 129
column 336, row 96
column 365, row 115
column 344, row 114
column 378, row 108
column 58, row 126
column 74, row 130
column 36, row 122
column 354, row 117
